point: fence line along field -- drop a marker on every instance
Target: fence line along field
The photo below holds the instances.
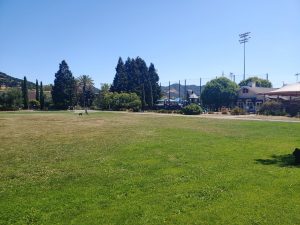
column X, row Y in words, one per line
column 126, row 168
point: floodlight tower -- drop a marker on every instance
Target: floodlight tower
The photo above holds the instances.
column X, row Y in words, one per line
column 297, row 75
column 244, row 38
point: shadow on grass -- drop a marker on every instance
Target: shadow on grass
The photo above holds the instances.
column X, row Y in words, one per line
column 287, row 160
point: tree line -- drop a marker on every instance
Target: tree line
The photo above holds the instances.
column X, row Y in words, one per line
column 135, row 86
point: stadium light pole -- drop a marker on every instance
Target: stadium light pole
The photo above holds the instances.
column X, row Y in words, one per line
column 244, row 38
column 297, row 75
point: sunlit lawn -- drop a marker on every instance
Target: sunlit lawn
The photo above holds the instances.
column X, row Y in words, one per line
column 119, row 168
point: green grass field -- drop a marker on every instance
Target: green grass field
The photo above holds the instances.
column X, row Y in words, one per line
column 119, row 168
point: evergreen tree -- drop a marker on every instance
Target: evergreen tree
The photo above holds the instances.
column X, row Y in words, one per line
column 120, row 82
column 42, row 97
column 64, row 88
column 143, row 81
column 25, row 93
column 37, row 95
column 131, row 71
column 154, row 78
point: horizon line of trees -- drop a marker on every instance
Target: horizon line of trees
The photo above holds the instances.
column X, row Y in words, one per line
column 133, row 76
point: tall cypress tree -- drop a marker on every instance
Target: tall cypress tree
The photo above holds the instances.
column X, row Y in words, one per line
column 154, row 79
column 64, row 88
column 128, row 71
column 120, row 82
column 42, row 97
column 25, row 93
column 133, row 74
column 37, row 95
column 142, row 74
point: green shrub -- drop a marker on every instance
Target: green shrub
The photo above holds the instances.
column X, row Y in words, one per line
column 168, row 111
column 192, row 109
column 34, row 104
column 272, row 108
column 237, row 111
column 293, row 108
column 121, row 101
column 93, row 107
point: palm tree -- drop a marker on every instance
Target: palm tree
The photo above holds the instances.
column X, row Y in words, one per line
column 84, row 82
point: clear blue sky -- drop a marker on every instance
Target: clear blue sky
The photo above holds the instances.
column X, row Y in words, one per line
column 184, row 39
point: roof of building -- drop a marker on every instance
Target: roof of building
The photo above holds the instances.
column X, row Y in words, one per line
column 259, row 90
column 288, row 90
column 193, row 95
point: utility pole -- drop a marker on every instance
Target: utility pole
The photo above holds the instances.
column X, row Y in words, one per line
column 185, row 90
column 169, row 91
column 200, row 89
column 267, row 77
column 297, row 75
column 244, row 38
column 179, row 90
column 231, row 75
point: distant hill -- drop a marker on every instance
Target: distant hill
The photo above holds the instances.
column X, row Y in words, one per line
column 174, row 90
column 9, row 81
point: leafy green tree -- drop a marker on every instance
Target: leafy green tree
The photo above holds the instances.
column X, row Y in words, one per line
column 103, row 91
column 219, row 92
column 85, row 85
column 11, row 99
column 42, row 97
column 258, row 82
column 37, row 95
column 99, row 100
column 25, row 93
column 64, row 88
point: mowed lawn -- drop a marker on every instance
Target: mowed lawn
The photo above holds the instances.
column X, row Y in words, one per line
column 126, row 168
